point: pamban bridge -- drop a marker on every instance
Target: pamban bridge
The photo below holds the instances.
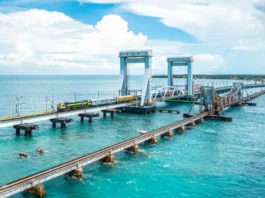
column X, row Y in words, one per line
column 212, row 104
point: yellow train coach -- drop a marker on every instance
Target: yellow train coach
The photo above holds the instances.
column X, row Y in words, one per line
column 126, row 98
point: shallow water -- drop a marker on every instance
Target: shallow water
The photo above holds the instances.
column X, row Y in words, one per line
column 214, row 159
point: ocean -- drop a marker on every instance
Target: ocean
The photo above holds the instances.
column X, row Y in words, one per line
column 214, row 159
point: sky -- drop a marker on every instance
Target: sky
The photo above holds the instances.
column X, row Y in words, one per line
column 55, row 37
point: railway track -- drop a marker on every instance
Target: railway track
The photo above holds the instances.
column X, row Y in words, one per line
column 42, row 176
column 45, row 175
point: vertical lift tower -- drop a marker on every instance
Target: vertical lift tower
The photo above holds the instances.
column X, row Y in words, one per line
column 181, row 61
column 143, row 56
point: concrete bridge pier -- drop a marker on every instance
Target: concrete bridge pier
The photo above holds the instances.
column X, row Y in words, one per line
column 62, row 121
column 153, row 140
column 192, row 124
column 26, row 127
column 90, row 116
column 181, row 129
column 108, row 159
column 36, row 191
column 201, row 120
column 133, row 149
column 167, row 134
column 76, row 173
column 110, row 111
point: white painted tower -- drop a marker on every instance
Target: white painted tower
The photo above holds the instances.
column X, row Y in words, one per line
column 142, row 56
column 181, row 61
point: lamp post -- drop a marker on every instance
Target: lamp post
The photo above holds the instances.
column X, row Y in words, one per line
column 18, row 105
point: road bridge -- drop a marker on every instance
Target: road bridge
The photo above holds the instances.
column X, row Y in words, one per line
column 208, row 101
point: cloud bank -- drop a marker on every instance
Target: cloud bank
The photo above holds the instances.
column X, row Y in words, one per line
column 43, row 41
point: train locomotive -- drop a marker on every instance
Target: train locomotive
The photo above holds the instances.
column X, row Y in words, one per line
column 67, row 106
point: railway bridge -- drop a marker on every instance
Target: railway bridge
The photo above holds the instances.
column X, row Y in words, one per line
column 211, row 104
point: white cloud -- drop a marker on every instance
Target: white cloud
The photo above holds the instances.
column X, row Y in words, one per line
column 207, row 20
column 51, row 40
column 38, row 41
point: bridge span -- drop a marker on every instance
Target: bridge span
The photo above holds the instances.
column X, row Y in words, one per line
column 52, row 115
column 45, row 175
column 40, row 177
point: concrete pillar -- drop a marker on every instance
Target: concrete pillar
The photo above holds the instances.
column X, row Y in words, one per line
column 181, row 129
column 153, row 140
column 167, row 134
column 36, row 190
column 90, row 119
column 190, row 79
column 28, row 132
column 201, row 120
column 63, row 125
column 18, row 132
column 104, row 115
column 82, row 118
column 192, row 124
column 170, row 78
column 53, row 124
column 133, row 149
column 147, row 85
column 108, row 159
column 112, row 114
column 123, row 76
column 76, row 173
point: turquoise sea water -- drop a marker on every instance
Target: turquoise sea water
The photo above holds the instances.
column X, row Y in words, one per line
column 214, row 159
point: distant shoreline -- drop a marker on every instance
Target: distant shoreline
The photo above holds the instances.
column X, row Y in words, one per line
column 219, row 76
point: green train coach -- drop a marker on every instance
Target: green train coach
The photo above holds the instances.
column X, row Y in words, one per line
column 66, row 106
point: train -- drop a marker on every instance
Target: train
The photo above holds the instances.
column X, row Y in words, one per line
column 67, row 106
column 83, row 104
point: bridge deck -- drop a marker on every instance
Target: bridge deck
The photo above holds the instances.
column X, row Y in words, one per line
column 48, row 116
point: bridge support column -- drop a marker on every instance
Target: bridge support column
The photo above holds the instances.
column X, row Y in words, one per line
column 201, row 120
column 18, row 132
column 62, row 121
column 26, row 127
column 127, row 57
column 167, row 134
column 63, row 125
column 110, row 111
column 76, row 173
column 181, row 61
column 36, row 190
column 90, row 116
column 133, row 149
column 181, row 129
column 28, row 132
column 192, row 124
column 108, row 159
column 153, row 140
